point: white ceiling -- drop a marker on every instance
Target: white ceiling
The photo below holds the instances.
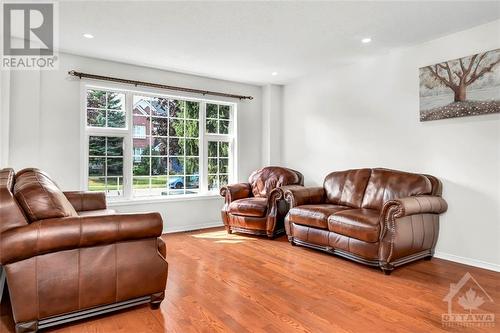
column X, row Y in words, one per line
column 246, row 41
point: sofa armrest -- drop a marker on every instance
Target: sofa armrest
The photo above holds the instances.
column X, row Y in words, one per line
column 84, row 201
column 422, row 204
column 52, row 235
column 234, row 192
column 299, row 195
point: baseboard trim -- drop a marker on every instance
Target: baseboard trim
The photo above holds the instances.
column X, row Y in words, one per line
column 468, row 261
column 189, row 227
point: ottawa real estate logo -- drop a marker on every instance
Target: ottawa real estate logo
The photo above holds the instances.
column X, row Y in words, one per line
column 465, row 300
column 29, row 34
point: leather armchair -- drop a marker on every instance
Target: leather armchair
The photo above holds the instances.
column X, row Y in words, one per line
column 378, row 217
column 67, row 256
column 257, row 207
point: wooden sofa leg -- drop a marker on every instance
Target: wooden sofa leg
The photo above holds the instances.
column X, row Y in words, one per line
column 271, row 235
column 27, row 327
column 156, row 300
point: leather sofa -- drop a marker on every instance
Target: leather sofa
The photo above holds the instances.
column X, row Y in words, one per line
column 377, row 217
column 66, row 256
column 257, row 207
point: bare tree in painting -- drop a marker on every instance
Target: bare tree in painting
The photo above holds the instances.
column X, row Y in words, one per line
column 462, row 87
column 457, row 79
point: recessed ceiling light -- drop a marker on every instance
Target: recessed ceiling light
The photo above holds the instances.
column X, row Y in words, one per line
column 274, row 73
column 366, row 40
column 89, row 36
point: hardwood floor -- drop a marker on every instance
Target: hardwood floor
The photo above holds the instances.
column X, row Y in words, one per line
column 236, row 283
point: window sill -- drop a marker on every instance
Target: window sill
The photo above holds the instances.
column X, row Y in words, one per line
column 141, row 201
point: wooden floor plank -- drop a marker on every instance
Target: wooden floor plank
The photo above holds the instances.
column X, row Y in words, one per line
column 237, row 283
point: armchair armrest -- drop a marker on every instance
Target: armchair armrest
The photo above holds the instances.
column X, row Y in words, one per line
column 52, row 235
column 84, row 201
column 422, row 204
column 236, row 191
column 299, row 195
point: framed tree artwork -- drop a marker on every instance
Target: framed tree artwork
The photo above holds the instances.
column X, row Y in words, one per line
column 462, row 87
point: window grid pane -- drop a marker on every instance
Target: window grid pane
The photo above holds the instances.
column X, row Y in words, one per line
column 105, row 109
column 218, row 164
column 218, row 119
column 170, row 163
column 105, row 167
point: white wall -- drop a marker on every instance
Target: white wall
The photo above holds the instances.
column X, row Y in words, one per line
column 367, row 115
column 4, row 117
column 45, row 129
column 272, row 95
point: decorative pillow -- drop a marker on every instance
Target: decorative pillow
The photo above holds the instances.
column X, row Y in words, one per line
column 40, row 197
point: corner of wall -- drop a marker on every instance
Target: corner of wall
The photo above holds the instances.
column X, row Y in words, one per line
column 272, row 103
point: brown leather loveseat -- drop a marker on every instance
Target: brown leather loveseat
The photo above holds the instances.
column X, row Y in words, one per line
column 66, row 256
column 378, row 217
column 257, row 207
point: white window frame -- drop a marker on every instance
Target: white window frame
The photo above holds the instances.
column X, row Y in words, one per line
column 128, row 133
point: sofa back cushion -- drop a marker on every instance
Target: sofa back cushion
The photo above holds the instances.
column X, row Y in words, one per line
column 40, row 197
column 385, row 185
column 11, row 215
column 264, row 180
column 346, row 188
column 7, row 178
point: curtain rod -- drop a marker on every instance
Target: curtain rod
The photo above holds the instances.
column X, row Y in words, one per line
column 155, row 85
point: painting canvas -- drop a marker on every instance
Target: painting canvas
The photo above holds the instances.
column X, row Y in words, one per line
column 462, row 87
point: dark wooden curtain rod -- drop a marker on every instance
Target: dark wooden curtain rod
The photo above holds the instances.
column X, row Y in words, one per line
column 155, row 85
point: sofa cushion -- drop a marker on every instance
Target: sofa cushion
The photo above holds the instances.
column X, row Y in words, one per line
column 385, row 185
column 362, row 224
column 264, row 180
column 40, row 197
column 7, row 178
column 255, row 207
column 314, row 215
column 346, row 188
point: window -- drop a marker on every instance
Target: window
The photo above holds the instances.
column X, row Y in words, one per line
column 218, row 164
column 106, row 164
column 218, row 131
column 105, row 109
column 169, row 160
column 139, row 131
column 218, row 118
column 151, row 145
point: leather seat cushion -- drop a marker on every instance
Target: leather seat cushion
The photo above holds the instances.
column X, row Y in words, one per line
column 314, row 215
column 362, row 224
column 255, row 207
column 40, row 197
